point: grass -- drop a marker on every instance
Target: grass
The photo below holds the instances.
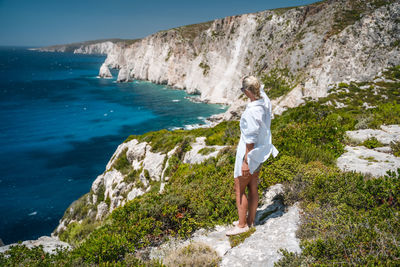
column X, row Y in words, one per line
column 235, row 240
column 195, row 254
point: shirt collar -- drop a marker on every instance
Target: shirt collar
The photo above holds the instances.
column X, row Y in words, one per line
column 259, row 102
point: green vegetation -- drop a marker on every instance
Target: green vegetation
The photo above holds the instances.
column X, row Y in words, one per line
column 348, row 219
column 372, row 143
column 190, row 32
column 205, row 67
column 278, row 82
column 395, row 146
column 168, row 55
column 237, row 239
column 348, row 15
column 225, row 133
column 206, row 150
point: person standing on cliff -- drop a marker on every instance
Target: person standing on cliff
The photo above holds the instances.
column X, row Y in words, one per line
column 255, row 147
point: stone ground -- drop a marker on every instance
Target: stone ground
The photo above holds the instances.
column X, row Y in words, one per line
column 375, row 162
column 50, row 244
column 275, row 228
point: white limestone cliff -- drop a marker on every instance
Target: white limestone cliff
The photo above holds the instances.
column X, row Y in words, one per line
column 299, row 45
column 212, row 61
column 104, row 72
column 115, row 186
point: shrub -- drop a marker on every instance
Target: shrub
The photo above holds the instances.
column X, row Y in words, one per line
column 348, row 219
column 372, row 143
column 395, row 146
column 206, row 150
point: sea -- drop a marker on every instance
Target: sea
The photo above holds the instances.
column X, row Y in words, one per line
column 60, row 124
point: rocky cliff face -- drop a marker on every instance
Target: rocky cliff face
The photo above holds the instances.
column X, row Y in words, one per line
column 307, row 48
column 130, row 173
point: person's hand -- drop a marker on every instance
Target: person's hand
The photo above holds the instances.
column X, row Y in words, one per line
column 245, row 168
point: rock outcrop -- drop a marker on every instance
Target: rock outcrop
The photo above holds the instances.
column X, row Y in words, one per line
column 129, row 174
column 50, row 244
column 376, row 161
column 200, row 151
column 104, row 72
column 276, row 227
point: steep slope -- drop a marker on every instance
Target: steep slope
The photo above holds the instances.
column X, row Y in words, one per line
column 298, row 52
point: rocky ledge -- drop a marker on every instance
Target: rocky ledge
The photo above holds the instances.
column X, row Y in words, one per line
column 275, row 228
column 373, row 161
column 50, row 244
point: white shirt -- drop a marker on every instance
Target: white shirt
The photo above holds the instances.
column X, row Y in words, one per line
column 255, row 125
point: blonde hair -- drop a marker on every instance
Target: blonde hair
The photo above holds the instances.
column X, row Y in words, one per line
column 252, row 84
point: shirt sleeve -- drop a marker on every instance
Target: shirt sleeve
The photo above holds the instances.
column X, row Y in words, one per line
column 251, row 126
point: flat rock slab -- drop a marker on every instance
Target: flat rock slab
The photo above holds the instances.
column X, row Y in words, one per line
column 50, row 244
column 367, row 161
column 387, row 134
column 261, row 248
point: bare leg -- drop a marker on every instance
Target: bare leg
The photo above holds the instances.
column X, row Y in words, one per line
column 253, row 198
column 241, row 199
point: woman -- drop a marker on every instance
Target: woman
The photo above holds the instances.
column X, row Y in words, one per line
column 254, row 148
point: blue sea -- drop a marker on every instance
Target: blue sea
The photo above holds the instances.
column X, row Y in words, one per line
column 59, row 126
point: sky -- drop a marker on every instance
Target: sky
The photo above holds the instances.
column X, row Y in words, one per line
column 47, row 22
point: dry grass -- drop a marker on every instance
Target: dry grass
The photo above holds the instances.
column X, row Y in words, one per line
column 195, row 254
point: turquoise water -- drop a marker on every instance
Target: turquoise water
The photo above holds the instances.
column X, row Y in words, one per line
column 59, row 126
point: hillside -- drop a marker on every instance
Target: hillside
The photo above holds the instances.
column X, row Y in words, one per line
column 162, row 189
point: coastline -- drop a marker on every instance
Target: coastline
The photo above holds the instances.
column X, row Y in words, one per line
column 61, row 155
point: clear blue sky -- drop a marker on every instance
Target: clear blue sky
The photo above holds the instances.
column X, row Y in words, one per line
column 48, row 22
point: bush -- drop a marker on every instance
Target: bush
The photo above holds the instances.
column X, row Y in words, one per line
column 372, row 143
column 348, row 219
column 395, row 146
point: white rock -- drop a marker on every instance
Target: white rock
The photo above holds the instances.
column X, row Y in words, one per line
column 194, row 157
column 50, row 244
column 261, row 248
column 134, row 193
column 153, row 162
column 169, row 155
column 136, row 154
column 96, row 185
column 105, row 71
column 367, row 161
column 102, row 210
column 123, row 75
column 387, row 135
